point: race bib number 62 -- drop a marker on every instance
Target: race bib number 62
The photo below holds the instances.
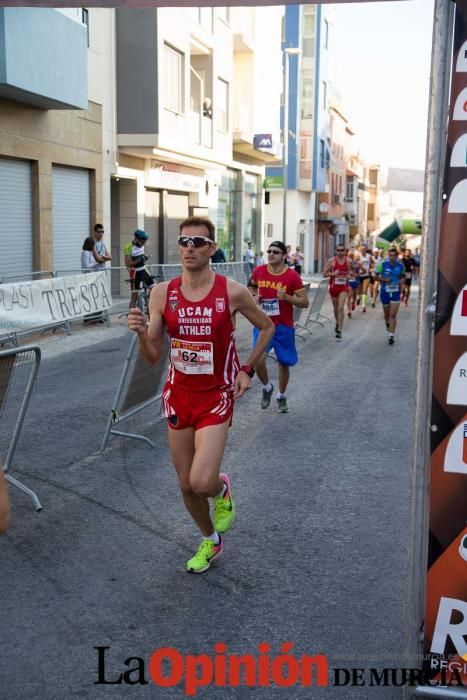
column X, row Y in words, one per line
column 192, row 357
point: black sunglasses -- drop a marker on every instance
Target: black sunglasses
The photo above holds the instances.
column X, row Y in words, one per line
column 275, row 252
column 196, row 241
column 340, row 250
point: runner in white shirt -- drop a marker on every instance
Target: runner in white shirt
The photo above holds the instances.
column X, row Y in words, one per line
column 365, row 261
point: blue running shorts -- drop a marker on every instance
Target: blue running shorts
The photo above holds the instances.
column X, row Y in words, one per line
column 386, row 298
column 283, row 344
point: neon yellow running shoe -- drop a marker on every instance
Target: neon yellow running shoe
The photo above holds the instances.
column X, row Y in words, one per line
column 206, row 553
column 224, row 508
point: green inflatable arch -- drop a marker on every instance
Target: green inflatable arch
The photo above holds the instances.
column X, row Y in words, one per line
column 396, row 229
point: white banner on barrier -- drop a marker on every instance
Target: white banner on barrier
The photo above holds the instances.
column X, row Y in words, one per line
column 26, row 305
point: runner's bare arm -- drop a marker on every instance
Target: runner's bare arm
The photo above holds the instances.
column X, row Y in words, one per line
column 328, row 269
column 151, row 335
column 240, row 300
column 298, row 298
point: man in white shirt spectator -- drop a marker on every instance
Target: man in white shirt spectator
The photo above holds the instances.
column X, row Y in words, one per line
column 250, row 256
column 101, row 250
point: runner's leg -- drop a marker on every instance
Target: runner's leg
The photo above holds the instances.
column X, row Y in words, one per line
column 188, row 451
column 335, row 308
column 365, row 284
column 262, row 371
column 393, row 309
column 340, row 309
column 284, row 376
column 386, row 314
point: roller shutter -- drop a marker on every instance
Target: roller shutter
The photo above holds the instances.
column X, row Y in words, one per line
column 16, row 232
column 71, row 215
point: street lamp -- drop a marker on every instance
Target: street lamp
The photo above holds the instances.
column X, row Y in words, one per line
column 291, row 51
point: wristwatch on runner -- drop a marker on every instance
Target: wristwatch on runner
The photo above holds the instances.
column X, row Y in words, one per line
column 248, row 370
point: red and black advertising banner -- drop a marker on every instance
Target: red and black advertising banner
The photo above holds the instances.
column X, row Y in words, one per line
column 446, row 603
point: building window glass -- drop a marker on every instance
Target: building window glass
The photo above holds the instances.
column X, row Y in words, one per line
column 350, row 190
column 85, row 20
column 371, row 212
column 309, row 31
column 325, row 95
column 173, row 98
column 322, row 154
column 326, row 34
column 307, row 94
column 222, row 105
column 225, row 214
column 306, row 149
column 373, row 177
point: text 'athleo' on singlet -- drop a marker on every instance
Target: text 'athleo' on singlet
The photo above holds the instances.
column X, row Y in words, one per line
column 202, row 338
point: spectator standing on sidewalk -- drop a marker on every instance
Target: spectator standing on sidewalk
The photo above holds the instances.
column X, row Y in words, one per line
column 88, row 259
column 90, row 263
column 250, row 256
column 299, row 260
column 219, row 256
column 101, row 253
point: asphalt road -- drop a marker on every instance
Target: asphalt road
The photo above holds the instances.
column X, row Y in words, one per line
column 317, row 556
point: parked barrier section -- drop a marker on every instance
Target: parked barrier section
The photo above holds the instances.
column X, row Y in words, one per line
column 139, row 387
column 315, row 314
column 18, row 372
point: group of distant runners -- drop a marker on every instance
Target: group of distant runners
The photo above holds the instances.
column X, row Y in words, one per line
column 358, row 275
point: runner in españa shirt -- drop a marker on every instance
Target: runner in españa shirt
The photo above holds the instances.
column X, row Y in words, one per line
column 390, row 272
column 278, row 289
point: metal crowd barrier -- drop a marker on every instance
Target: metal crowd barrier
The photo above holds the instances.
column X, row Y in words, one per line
column 13, row 338
column 316, row 305
column 140, row 386
column 18, row 372
column 26, row 277
column 302, row 315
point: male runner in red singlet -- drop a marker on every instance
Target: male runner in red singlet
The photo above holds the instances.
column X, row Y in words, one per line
column 277, row 289
column 198, row 310
column 338, row 269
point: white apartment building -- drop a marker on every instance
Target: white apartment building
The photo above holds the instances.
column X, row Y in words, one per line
column 194, row 93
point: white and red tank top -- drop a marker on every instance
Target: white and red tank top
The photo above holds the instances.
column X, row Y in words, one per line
column 202, row 353
column 342, row 269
